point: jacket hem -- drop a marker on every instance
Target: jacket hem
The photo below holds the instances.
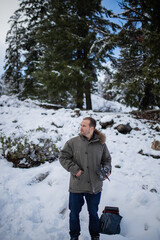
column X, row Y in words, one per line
column 84, row 191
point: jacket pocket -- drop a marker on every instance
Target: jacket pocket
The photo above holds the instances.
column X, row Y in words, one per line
column 77, row 178
column 81, row 176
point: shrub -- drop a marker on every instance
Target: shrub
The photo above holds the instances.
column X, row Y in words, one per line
column 25, row 154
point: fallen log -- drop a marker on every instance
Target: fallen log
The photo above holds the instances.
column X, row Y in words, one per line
column 148, row 114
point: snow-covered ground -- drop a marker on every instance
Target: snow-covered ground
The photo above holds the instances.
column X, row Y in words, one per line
column 33, row 210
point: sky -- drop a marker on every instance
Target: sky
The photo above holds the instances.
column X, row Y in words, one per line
column 7, row 8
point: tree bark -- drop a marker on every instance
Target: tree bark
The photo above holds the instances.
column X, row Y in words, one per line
column 88, row 96
column 79, row 97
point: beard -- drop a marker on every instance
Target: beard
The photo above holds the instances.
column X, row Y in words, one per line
column 85, row 133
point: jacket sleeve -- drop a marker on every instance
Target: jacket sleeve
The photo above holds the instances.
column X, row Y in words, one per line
column 106, row 159
column 66, row 159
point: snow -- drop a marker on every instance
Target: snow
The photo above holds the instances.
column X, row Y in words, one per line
column 100, row 104
column 32, row 209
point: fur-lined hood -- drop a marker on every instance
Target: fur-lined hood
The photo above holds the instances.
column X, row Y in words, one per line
column 100, row 135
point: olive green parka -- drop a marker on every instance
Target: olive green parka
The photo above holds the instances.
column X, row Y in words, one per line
column 88, row 156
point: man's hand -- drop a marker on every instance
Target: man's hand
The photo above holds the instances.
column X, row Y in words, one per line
column 107, row 177
column 79, row 173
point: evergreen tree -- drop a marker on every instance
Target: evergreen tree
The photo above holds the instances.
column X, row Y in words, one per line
column 13, row 66
column 55, row 58
column 67, row 63
column 34, row 12
column 138, row 71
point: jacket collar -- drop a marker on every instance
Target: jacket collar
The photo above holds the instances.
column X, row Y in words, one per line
column 101, row 136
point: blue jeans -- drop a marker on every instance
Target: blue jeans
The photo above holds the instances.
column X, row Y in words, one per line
column 76, row 201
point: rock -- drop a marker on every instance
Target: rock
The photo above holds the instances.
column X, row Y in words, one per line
column 145, row 187
column 157, row 128
column 15, row 121
column 148, row 155
column 63, row 211
column 39, row 178
column 54, row 124
column 146, row 227
column 124, row 128
column 77, row 112
column 153, row 190
column 136, row 129
column 156, row 145
column 117, row 166
column 104, row 125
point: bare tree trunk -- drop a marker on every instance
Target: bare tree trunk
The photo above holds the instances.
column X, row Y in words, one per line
column 79, row 96
column 148, row 98
column 88, row 96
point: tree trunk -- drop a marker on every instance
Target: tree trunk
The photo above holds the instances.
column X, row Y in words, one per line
column 88, row 96
column 79, row 96
column 148, row 98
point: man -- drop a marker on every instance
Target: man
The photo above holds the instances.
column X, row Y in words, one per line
column 84, row 156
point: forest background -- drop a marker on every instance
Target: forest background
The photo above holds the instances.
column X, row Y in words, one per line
column 56, row 49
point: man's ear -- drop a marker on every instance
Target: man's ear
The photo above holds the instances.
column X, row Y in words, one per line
column 92, row 129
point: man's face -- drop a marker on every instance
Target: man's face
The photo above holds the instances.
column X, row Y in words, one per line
column 85, row 129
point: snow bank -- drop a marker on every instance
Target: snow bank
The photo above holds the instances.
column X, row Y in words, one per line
column 99, row 104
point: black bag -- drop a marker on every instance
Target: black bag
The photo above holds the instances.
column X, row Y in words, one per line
column 110, row 221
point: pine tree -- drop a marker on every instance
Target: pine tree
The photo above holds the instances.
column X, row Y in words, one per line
column 138, row 71
column 22, row 54
column 55, row 55
column 70, row 67
column 13, row 66
column 34, row 12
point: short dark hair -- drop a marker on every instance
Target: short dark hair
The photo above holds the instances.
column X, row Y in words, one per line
column 92, row 121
